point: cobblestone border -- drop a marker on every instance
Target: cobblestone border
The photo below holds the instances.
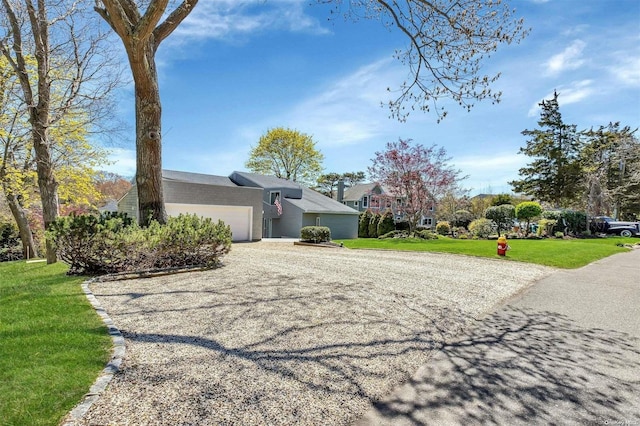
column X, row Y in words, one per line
column 117, row 355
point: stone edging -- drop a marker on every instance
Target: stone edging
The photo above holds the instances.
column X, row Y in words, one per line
column 112, row 367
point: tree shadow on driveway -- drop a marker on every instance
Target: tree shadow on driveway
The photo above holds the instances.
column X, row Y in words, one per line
column 521, row 366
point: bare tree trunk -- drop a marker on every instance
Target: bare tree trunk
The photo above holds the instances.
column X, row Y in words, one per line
column 29, row 248
column 47, row 182
column 148, row 135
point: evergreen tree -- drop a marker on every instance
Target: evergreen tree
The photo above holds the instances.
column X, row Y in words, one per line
column 555, row 174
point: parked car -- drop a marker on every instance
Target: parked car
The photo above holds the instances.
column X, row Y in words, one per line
column 607, row 225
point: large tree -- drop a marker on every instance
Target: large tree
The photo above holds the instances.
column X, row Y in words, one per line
column 328, row 182
column 141, row 35
column 62, row 64
column 418, row 175
column 611, row 165
column 555, row 174
column 286, row 154
column 447, row 42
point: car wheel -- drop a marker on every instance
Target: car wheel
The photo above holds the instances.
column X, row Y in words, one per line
column 625, row 233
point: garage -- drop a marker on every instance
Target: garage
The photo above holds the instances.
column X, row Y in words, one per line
column 238, row 217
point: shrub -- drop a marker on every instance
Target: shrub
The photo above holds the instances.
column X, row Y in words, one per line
column 403, row 225
column 386, row 223
column 462, row 218
column 426, row 234
column 559, row 234
column 545, row 227
column 463, row 236
column 373, row 225
column 363, row 224
column 317, row 234
column 526, row 211
column 189, row 240
column 10, row 244
column 443, row 228
column 502, row 216
column 481, row 228
column 394, row 234
column 114, row 243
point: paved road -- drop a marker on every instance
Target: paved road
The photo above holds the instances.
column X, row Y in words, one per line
column 565, row 352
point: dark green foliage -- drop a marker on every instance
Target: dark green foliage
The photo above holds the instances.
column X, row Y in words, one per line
column 502, row 215
column 316, row 234
column 462, row 218
column 526, row 211
column 443, row 228
column 501, row 199
column 373, row 225
column 570, row 222
column 554, row 175
column 363, row 224
column 386, row 223
column 10, row 245
column 113, row 243
column 402, row 225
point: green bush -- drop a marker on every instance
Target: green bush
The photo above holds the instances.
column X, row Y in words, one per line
column 426, row 234
column 502, row 216
column 443, row 228
column 394, row 234
column 546, row 227
column 373, row 225
column 316, row 234
column 10, row 244
column 403, row 225
column 481, row 228
column 112, row 243
column 363, row 224
column 386, row 223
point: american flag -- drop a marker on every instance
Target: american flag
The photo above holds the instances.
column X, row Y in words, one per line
column 278, row 205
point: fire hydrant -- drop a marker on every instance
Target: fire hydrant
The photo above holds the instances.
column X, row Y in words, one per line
column 502, row 246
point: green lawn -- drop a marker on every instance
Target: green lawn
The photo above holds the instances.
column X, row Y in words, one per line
column 550, row 252
column 52, row 343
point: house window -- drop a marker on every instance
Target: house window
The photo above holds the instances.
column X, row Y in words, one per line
column 431, row 208
column 427, row 221
column 398, row 201
column 365, row 201
column 318, row 221
column 272, row 197
column 355, row 203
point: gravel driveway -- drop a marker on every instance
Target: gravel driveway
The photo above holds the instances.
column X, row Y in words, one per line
column 287, row 334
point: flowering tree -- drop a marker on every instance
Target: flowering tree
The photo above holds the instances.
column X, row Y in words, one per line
column 417, row 175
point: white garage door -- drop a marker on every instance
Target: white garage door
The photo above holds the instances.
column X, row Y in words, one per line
column 239, row 217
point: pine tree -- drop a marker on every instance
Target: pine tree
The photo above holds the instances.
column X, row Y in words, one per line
column 555, row 174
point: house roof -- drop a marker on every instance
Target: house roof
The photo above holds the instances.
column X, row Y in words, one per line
column 356, row 192
column 176, row 176
column 314, row 202
column 268, row 182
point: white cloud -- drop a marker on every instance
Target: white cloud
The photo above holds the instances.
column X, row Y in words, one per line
column 627, row 71
column 231, row 19
column 569, row 59
column 492, row 171
column 348, row 111
column 574, row 93
column 123, row 162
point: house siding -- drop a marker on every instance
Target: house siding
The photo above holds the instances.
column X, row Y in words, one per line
column 193, row 193
column 341, row 226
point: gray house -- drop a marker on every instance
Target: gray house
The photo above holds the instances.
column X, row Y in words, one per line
column 216, row 197
column 299, row 207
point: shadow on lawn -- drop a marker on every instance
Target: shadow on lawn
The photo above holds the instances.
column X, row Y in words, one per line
column 523, row 367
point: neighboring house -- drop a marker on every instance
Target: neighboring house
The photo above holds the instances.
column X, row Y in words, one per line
column 299, row 207
column 374, row 197
column 110, row 206
column 215, row 197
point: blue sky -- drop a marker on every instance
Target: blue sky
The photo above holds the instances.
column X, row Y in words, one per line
column 235, row 69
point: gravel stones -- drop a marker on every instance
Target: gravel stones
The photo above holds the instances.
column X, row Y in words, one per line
column 285, row 334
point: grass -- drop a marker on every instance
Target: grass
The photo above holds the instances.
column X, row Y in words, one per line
column 550, row 252
column 52, row 343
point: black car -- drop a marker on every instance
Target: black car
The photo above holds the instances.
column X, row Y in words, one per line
column 607, row 225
